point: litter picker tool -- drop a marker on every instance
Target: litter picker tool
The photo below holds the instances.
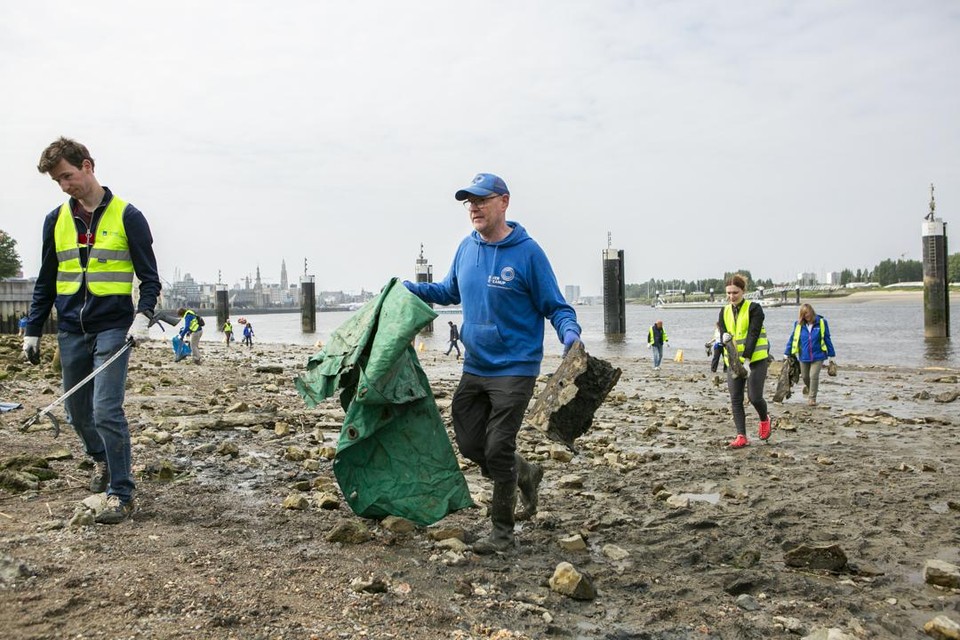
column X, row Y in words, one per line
column 47, row 411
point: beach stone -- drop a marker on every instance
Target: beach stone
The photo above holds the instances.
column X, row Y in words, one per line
column 567, row 580
column 296, row 501
column 269, row 368
column 561, row 454
column 397, row 524
column 230, row 449
column 327, row 453
column 349, row 532
column 453, row 544
column 327, row 501
column 830, row 634
column 570, row 481
column 11, row 569
column 59, row 454
column 239, row 407
column 281, row 429
column 294, row 454
column 368, row 585
column 942, row 628
column 793, row 625
column 941, row 574
column 445, row 533
column 947, row 396
column 615, row 553
column 271, row 388
column 573, row 543
column 678, row 502
column 747, row 602
column 816, row 557
column 18, row 481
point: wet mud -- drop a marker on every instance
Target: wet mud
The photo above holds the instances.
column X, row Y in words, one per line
column 241, row 532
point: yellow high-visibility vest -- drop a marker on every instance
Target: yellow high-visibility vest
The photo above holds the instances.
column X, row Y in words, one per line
column 741, row 327
column 795, row 347
column 109, row 270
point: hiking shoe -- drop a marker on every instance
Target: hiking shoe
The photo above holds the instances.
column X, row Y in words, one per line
column 739, row 442
column 763, row 431
column 115, row 512
column 99, row 477
column 806, row 391
column 812, row 402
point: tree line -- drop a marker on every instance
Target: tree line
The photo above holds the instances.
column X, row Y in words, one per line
column 885, row 273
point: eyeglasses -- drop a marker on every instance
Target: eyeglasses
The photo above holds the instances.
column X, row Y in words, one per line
column 479, row 203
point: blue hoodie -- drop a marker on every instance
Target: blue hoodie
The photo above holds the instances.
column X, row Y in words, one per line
column 507, row 288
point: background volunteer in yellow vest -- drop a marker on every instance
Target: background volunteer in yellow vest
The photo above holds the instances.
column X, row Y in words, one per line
column 93, row 245
column 810, row 343
column 192, row 330
column 744, row 320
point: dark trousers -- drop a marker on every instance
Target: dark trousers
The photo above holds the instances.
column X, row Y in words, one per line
column 453, row 345
column 717, row 355
column 754, row 385
column 487, row 414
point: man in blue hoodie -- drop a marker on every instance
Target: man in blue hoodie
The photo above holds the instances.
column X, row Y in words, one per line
column 506, row 286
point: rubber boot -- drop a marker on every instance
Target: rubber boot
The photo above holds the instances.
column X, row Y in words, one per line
column 529, row 476
column 501, row 515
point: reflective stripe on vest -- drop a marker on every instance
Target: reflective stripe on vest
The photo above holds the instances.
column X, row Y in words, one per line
column 109, row 269
column 795, row 348
column 741, row 328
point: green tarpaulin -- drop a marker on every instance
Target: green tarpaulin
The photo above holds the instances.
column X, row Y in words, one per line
column 393, row 456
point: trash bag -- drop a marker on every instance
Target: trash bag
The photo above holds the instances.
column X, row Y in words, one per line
column 789, row 376
column 393, row 455
column 181, row 349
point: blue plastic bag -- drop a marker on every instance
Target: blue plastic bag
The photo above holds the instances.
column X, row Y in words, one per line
column 181, row 349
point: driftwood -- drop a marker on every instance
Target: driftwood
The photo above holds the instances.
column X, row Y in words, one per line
column 224, row 422
column 565, row 407
column 733, row 356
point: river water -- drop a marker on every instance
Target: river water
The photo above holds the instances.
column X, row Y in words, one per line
column 871, row 332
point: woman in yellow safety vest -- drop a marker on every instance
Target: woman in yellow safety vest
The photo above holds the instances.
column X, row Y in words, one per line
column 743, row 320
column 810, row 343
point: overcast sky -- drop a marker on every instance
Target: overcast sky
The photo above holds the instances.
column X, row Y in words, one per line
column 704, row 136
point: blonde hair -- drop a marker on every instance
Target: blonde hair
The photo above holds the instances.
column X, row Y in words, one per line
column 804, row 308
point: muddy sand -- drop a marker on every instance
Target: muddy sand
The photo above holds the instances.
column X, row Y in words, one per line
column 828, row 526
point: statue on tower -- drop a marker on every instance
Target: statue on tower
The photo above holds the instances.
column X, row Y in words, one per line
column 933, row 205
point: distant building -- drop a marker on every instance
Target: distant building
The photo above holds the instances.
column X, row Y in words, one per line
column 806, row 279
column 833, row 278
column 572, row 293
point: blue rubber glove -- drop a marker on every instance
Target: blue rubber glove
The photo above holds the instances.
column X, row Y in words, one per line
column 410, row 287
column 569, row 339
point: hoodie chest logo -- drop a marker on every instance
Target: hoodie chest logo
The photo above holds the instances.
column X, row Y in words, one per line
column 507, row 274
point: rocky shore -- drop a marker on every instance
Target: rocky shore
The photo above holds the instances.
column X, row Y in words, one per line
column 845, row 525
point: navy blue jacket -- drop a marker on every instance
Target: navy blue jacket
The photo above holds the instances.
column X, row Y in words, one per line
column 83, row 312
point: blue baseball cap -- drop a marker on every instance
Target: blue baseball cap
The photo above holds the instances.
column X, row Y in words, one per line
column 484, row 184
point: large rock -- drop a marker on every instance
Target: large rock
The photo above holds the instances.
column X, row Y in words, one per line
column 566, row 580
column 565, row 407
column 942, row 574
column 942, row 628
column 816, row 557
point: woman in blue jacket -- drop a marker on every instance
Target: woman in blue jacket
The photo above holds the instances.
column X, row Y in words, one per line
column 810, row 343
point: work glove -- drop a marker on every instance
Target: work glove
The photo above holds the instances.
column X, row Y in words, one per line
column 31, row 349
column 410, row 287
column 569, row 339
column 725, row 338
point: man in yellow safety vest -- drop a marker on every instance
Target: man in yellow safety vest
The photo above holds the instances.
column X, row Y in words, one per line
column 93, row 245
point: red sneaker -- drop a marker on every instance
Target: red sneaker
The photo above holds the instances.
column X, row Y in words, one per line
column 764, row 430
column 739, row 442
